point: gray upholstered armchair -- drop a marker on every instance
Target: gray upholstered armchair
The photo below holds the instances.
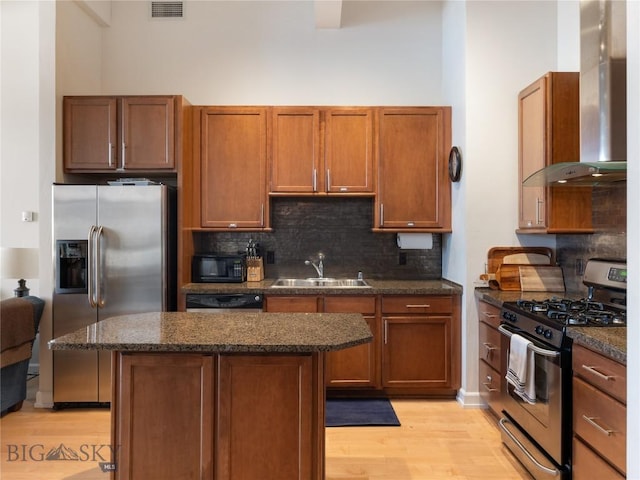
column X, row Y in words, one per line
column 19, row 321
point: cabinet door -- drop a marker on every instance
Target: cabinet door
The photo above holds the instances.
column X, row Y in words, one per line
column 281, row 421
column 532, row 131
column 295, row 154
column 348, row 151
column 417, row 351
column 548, row 132
column 356, row 366
column 233, row 167
column 148, row 133
column 90, row 133
column 180, row 388
column 414, row 191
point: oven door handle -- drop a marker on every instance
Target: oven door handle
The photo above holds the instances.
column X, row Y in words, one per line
column 540, row 351
column 551, row 471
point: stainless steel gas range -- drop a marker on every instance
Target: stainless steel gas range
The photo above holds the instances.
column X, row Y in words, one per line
column 538, row 432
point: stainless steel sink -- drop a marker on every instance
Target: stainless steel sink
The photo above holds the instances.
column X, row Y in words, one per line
column 320, row 283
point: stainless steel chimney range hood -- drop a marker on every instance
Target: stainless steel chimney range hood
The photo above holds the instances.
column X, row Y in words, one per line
column 603, row 101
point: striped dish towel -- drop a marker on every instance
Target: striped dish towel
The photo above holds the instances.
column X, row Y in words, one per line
column 521, row 368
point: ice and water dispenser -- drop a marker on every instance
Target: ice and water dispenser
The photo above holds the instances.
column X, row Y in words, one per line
column 71, row 266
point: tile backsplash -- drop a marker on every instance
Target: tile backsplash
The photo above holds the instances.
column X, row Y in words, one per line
column 610, row 241
column 340, row 228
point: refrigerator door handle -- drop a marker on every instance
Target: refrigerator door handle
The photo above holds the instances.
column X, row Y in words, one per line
column 91, row 267
column 98, row 270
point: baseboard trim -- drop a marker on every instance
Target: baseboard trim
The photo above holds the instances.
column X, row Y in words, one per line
column 470, row 399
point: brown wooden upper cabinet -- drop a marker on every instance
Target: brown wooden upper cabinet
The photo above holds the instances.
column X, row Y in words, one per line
column 549, row 133
column 105, row 134
column 233, row 168
column 413, row 187
column 322, row 151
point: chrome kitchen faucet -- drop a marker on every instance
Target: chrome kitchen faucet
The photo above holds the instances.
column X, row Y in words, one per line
column 319, row 266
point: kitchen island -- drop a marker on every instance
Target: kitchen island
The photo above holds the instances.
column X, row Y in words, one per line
column 227, row 396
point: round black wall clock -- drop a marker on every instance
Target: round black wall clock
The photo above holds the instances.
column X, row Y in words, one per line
column 455, row 164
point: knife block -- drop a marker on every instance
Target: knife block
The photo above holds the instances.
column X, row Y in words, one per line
column 255, row 269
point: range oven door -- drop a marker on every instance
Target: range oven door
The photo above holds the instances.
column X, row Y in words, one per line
column 541, row 431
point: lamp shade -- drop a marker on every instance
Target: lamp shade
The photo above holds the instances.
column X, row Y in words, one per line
column 19, row 263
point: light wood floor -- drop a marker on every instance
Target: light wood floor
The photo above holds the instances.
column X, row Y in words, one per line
column 437, row 440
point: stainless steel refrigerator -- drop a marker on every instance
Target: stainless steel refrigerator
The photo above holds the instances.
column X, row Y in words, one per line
column 114, row 254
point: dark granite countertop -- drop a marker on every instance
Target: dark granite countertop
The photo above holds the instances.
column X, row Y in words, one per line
column 610, row 341
column 220, row 333
column 388, row 287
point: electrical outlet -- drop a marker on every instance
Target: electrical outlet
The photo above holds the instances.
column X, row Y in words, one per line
column 271, row 257
column 402, row 258
column 579, row 266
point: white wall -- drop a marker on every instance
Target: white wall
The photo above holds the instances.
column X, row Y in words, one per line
column 269, row 52
column 19, row 125
column 633, row 238
column 492, row 50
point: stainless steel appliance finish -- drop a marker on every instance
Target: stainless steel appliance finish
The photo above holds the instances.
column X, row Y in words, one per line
column 603, row 101
column 539, row 434
column 224, row 303
column 114, row 253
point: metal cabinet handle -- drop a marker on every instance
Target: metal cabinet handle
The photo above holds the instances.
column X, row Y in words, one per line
column 490, row 348
column 386, row 329
column 597, row 373
column 381, row 215
column 592, row 421
column 425, row 305
column 328, row 180
column 539, row 203
column 124, row 154
column 262, row 215
column 315, row 180
column 489, row 315
column 110, row 154
column 487, row 384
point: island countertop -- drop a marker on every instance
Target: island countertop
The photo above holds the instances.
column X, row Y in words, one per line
column 221, row 333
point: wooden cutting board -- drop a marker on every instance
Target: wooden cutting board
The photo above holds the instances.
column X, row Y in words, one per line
column 508, row 277
column 527, row 259
column 538, row 278
column 496, row 255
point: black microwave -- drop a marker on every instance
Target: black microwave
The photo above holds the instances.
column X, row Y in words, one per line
column 211, row 268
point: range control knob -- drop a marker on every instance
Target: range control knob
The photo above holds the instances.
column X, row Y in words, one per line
column 540, row 330
column 548, row 333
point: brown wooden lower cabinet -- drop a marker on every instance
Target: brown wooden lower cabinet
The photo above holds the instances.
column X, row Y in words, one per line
column 599, row 416
column 218, row 416
column 354, row 367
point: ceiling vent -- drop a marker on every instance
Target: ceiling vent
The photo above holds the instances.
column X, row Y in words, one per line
column 166, row 9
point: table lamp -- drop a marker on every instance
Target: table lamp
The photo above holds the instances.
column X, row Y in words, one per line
column 19, row 263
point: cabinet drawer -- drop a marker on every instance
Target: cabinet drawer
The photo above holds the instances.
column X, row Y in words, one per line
column 417, row 304
column 606, row 374
column 489, row 348
column 488, row 314
column 340, row 304
column 490, row 383
column 588, row 465
column 600, row 421
column 297, row 303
